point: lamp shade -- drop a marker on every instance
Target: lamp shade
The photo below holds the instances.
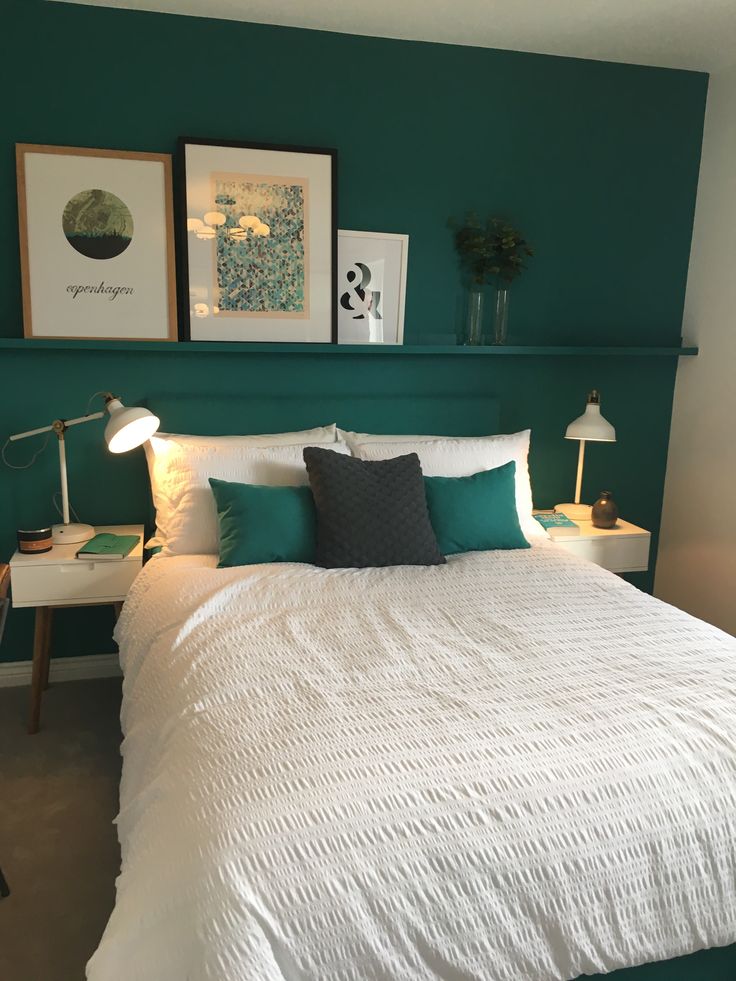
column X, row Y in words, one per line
column 591, row 425
column 128, row 427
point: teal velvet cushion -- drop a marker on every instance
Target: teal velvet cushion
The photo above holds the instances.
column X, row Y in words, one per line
column 264, row 524
column 476, row 513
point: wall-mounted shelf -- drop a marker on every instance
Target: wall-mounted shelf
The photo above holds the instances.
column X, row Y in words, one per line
column 412, row 350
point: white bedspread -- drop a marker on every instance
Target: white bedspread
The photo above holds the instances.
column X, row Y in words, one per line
column 512, row 767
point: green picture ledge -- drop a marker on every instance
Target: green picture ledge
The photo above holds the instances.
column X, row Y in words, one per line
column 376, row 350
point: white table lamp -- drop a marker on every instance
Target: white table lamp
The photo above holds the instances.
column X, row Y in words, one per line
column 589, row 426
column 126, row 429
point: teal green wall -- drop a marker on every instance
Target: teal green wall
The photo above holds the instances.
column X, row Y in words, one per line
column 596, row 162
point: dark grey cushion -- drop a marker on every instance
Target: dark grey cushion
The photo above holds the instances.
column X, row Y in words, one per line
column 370, row 512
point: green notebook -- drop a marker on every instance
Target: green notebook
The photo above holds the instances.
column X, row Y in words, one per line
column 108, row 546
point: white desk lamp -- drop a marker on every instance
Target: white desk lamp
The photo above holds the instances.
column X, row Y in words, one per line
column 589, row 426
column 125, row 429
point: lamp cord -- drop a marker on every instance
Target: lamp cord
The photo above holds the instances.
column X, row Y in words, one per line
column 37, row 454
column 91, row 399
column 23, row 466
column 55, row 499
column 14, row 466
column 27, row 466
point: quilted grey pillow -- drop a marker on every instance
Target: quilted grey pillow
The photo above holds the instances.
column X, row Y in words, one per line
column 370, row 512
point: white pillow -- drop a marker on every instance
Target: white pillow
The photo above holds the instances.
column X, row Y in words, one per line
column 303, row 437
column 179, row 467
column 458, row 456
column 354, row 440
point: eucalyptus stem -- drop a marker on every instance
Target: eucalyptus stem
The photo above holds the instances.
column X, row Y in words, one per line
column 490, row 251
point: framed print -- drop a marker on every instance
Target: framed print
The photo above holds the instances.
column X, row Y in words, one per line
column 371, row 287
column 259, row 241
column 96, row 243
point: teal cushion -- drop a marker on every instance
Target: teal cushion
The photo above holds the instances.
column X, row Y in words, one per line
column 264, row 524
column 476, row 513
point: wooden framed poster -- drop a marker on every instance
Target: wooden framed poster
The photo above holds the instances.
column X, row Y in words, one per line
column 259, row 241
column 96, row 243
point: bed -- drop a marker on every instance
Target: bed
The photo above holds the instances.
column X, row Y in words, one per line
column 513, row 766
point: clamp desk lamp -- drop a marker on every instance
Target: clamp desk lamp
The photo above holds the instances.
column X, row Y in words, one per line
column 126, row 428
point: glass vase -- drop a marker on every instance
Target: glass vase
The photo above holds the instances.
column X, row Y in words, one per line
column 474, row 319
column 501, row 315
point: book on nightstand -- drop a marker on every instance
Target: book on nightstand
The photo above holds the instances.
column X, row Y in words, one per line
column 557, row 522
column 108, row 546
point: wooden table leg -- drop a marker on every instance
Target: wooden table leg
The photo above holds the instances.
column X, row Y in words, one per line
column 41, row 645
column 47, row 646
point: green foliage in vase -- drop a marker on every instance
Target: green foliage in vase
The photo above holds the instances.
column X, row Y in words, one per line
column 490, row 251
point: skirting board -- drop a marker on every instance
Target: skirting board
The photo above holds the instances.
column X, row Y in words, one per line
column 62, row 669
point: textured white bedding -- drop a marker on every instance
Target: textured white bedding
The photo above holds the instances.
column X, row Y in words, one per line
column 515, row 766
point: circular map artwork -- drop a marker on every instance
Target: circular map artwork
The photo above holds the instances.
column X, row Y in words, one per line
column 97, row 224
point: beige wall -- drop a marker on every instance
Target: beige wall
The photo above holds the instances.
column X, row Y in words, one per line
column 696, row 569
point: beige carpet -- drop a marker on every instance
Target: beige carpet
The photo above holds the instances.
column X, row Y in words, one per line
column 58, row 846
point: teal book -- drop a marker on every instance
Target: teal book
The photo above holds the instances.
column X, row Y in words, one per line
column 557, row 522
column 108, row 546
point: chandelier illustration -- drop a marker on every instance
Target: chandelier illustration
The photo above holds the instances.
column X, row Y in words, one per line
column 247, row 226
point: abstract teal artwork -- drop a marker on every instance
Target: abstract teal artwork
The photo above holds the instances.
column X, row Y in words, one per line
column 261, row 261
column 261, row 241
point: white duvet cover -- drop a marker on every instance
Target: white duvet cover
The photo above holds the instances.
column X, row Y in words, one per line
column 512, row 767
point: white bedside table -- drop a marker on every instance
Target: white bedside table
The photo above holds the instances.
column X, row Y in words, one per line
column 624, row 548
column 57, row 578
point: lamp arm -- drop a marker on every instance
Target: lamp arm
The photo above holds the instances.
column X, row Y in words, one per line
column 87, row 418
column 59, row 425
column 579, row 480
column 31, row 432
column 64, row 484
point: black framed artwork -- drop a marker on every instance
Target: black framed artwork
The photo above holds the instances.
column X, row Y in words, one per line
column 258, row 225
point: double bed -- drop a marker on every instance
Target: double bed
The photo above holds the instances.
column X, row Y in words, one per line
column 512, row 767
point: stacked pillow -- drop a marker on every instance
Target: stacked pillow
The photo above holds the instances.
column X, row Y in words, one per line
column 397, row 500
column 475, row 513
column 370, row 514
column 264, row 524
column 180, row 467
column 457, row 456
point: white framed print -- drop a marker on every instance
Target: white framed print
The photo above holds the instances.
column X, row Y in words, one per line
column 259, row 241
column 371, row 287
column 96, row 243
